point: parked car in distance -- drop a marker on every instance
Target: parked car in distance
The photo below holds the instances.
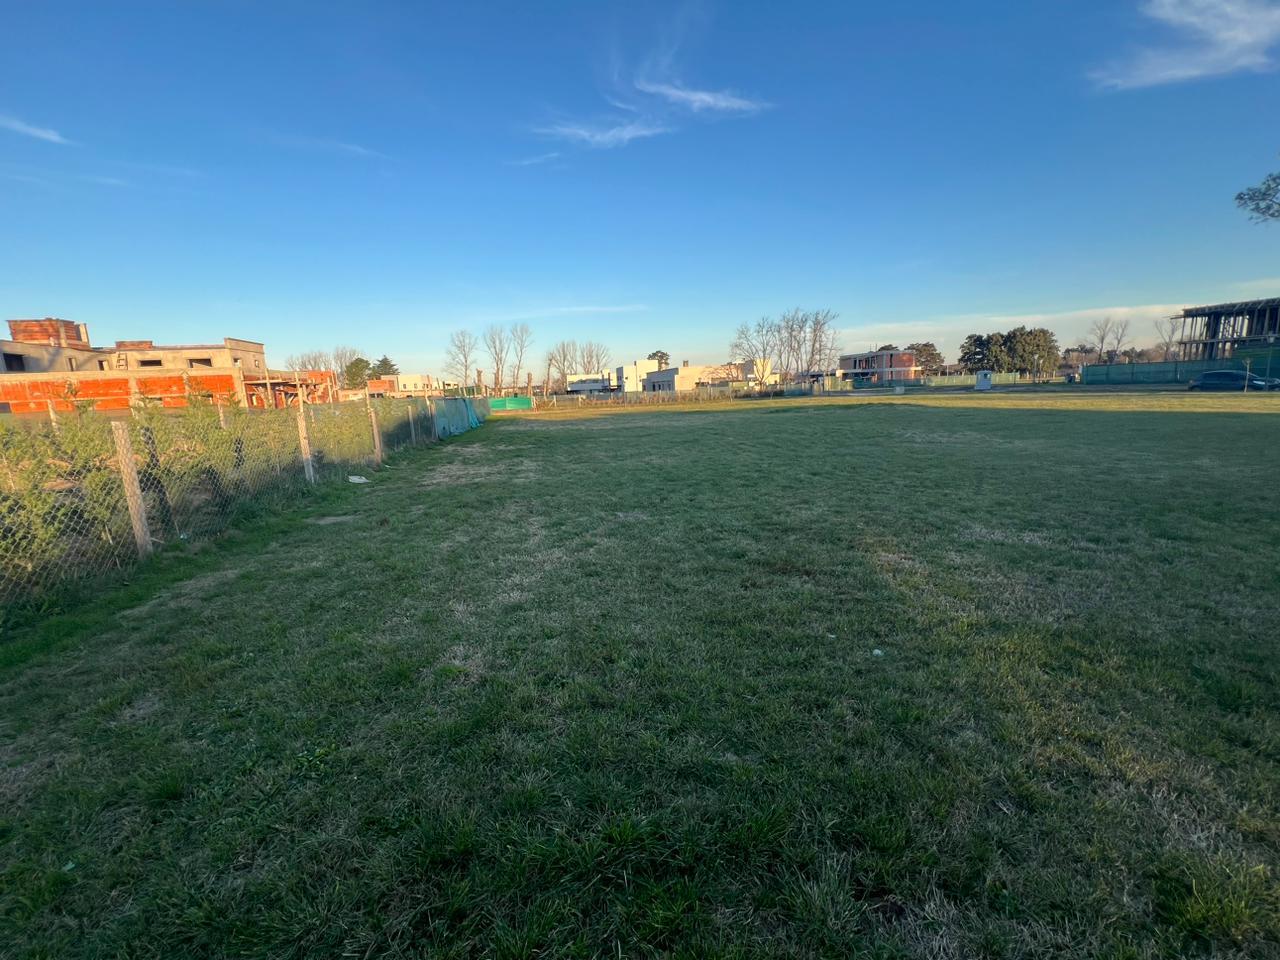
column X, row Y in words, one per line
column 1228, row 380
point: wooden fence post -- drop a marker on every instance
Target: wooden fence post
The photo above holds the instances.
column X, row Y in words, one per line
column 154, row 482
column 304, row 437
column 435, row 426
column 304, row 446
column 132, row 489
column 377, row 433
column 413, row 427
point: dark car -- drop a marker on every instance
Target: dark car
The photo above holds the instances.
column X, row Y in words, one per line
column 1227, row 380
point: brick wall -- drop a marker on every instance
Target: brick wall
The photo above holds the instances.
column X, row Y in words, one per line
column 46, row 331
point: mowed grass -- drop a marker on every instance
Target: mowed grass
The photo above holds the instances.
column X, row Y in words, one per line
column 967, row 677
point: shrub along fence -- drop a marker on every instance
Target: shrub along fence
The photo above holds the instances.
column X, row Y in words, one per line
column 85, row 493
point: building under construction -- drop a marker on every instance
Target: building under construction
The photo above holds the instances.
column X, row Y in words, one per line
column 1223, row 330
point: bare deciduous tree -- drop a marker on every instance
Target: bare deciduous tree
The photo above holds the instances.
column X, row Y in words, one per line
column 460, row 358
column 521, row 340
column 593, row 356
column 824, row 350
column 310, row 360
column 562, row 360
column 341, row 357
column 498, row 344
column 806, row 340
column 791, row 343
column 757, row 344
column 1100, row 335
column 1167, row 331
column 730, row 370
column 1119, row 335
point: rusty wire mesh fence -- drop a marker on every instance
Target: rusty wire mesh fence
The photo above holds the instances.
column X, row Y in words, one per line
column 88, row 493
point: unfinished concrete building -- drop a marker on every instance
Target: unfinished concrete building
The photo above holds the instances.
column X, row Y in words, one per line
column 1224, row 330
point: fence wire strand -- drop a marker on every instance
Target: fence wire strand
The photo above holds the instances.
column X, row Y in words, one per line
column 64, row 500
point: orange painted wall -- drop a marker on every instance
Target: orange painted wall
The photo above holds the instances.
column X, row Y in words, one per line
column 27, row 395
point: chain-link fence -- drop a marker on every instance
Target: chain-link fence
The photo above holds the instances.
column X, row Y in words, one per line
column 86, row 493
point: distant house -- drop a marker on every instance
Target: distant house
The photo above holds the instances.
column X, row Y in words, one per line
column 758, row 373
column 54, row 345
column 879, row 366
column 49, row 364
column 630, row 376
column 598, row 381
column 411, row 383
column 677, row 379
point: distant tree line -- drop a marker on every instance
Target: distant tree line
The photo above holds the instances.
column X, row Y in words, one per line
column 1025, row 350
column 349, row 364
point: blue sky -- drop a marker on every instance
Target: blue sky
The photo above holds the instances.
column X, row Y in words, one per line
column 646, row 175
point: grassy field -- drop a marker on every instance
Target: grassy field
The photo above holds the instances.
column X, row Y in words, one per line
column 964, row 677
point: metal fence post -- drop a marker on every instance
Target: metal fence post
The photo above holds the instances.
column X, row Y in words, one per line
column 377, row 434
column 132, row 489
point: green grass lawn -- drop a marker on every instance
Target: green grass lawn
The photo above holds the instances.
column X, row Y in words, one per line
column 965, row 677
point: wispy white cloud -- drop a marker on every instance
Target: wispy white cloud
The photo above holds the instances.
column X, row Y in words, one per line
column 168, row 169
column 25, row 178
column 720, row 101
column 1260, row 288
column 1216, row 37
column 1070, row 325
column 534, row 161
column 14, row 125
column 651, row 97
column 327, row 145
column 612, row 134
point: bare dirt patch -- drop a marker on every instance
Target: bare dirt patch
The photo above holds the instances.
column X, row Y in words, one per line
column 184, row 592
column 140, row 709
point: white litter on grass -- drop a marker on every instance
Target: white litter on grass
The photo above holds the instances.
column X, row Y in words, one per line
column 877, row 652
column 355, row 479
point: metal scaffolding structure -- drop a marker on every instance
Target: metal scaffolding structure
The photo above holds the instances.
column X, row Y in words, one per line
column 1219, row 331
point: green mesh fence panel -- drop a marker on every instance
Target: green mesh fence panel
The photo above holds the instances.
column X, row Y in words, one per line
column 1165, row 371
column 511, row 403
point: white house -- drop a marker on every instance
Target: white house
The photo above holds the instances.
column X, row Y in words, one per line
column 676, row 379
column 630, row 376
